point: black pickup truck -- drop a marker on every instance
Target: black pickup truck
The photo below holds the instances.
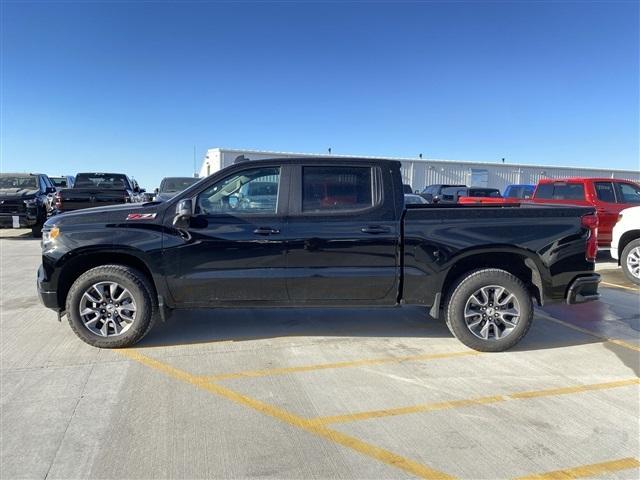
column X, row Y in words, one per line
column 314, row 232
column 26, row 200
column 96, row 189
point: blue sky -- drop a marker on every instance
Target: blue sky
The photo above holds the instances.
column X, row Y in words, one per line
column 133, row 86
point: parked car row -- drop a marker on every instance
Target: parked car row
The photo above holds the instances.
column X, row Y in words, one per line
column 28, row 199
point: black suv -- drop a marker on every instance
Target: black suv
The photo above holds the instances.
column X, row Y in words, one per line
column 26, row 200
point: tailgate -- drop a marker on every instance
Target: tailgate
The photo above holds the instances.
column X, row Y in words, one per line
column 76, row 199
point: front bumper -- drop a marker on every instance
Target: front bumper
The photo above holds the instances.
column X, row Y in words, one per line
column 49, row 298
column 24, row 220
column 584, row 289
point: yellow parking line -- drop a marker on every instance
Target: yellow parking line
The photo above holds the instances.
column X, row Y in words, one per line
column 586, row 470
column 427, row 407
column 622, row 343
column 620, row 286
column 327, row 366
column 353, row 443
column 575, row 389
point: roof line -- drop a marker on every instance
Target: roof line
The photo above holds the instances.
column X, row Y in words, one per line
column 441, row 160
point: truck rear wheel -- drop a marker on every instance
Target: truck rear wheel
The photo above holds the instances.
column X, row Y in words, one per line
column 111, row 306
column 489, row 310
column 630, row 261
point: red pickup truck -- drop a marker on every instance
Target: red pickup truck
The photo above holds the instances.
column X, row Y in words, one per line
column 608, row 195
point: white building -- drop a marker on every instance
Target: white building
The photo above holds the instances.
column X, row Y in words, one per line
column 422, row 172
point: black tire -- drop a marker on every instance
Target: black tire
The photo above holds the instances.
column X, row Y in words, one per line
column 462, row 291
column 140, row 288
column 36, row 230
column 624, row 257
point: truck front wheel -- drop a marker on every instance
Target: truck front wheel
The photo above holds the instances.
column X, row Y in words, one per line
column 489, row 310
column 111, row 306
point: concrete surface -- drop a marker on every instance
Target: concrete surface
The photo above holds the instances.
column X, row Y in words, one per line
column 316, row 393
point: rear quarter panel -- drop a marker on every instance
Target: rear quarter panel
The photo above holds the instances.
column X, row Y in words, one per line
column 435, row 239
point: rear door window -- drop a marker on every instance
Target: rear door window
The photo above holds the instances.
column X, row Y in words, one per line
column 605, row 192
column 628, row 192
column 337, row 188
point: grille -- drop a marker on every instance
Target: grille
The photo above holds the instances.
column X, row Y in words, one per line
column 12, row 207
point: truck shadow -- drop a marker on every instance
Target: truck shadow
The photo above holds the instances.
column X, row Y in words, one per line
column 19, row 236
column 187, row 327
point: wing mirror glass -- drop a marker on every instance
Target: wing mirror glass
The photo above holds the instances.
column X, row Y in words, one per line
column 184, row 211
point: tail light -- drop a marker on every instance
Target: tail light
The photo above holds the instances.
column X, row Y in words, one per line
column 58, row 201
column 590, row 222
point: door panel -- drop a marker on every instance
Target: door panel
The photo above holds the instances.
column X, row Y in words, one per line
column 333, row 260
column 234, row 250
column 343, row 234
column 607, row 210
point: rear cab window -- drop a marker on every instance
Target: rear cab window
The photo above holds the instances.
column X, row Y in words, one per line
column 560, row 191
column 102, row 181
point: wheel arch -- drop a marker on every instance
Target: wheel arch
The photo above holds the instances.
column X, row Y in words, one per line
column 625, row 239
column 81, row 262
column 520, row 263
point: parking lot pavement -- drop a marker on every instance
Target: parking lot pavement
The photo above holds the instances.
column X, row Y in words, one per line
column 292, row 393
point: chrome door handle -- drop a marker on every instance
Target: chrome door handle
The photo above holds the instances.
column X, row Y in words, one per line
column 266, row 231
column 375, row 229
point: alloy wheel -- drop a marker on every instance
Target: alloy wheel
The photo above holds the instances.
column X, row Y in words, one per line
column 633, row 262
column 107, row 309
column 492, row 312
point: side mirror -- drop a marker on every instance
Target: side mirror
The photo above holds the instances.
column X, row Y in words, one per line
column 184, row 211
column 157, row 191
column 435, row 198
column 142, row 190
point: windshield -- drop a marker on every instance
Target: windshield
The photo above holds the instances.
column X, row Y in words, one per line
column 59, row 181
column 101, row 180
column 19, row 182
column 176, row 184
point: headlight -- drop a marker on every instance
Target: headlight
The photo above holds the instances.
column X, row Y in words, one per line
column 30, row 202
column 50, row 235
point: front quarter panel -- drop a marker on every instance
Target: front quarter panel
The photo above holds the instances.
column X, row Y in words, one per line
column 104, row 235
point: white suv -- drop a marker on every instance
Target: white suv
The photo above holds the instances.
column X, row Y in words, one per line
column 625, row 243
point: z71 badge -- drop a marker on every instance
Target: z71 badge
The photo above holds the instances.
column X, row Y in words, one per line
column 141, row 216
